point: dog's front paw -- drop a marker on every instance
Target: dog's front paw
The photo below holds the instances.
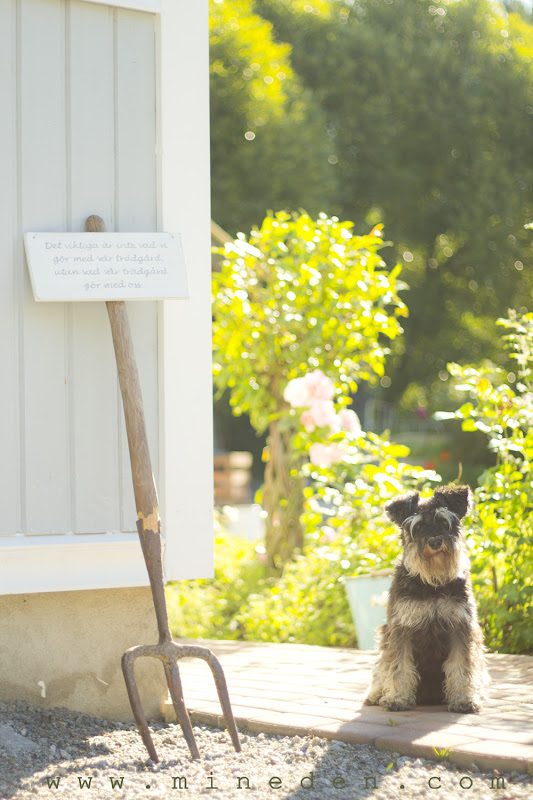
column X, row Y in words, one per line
column 464, row 707
column 371, row 700
column 396, row 704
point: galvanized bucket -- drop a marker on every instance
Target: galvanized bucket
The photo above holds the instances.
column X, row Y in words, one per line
column 367, row 595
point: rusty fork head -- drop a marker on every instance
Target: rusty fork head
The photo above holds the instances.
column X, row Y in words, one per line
column 169, row 652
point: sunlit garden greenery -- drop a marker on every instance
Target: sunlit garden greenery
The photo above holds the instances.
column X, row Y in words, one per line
column 298, row 294
column 265, row 124
column 307, row 602
column 415, row 114
column 500, row 405
column 346, row 532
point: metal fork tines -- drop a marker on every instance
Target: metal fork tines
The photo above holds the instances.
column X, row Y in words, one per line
column 169, row 652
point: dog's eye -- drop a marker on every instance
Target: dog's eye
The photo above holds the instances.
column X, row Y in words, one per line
column 411, row 523
column 443, row 519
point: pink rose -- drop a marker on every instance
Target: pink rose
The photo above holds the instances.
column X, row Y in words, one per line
column 297, row 393
column 349, row 420
column 312, row 387
column 324, row 455
column 319, row 385
column 308, row 421
column 323, row 413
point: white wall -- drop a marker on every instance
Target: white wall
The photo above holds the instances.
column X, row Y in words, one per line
column 105, row 111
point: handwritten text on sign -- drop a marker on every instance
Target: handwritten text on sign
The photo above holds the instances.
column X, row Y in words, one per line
column 106, row 266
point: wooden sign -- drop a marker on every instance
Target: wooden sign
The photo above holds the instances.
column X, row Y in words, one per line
column 106, row 266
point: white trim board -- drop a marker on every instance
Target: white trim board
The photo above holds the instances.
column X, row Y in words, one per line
column 70, row 562
column 154, row 6
column 185, row 354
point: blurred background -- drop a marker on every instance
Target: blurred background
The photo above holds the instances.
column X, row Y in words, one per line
column 411, row 120
column 411, row 113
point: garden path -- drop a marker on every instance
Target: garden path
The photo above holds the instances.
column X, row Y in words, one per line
column 301, row 689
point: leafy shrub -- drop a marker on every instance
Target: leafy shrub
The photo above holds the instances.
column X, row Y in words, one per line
column 346, row 533
column 501, row 524
column 206, row 608
column 351, row 474
column 299, row 294
column 306, row 604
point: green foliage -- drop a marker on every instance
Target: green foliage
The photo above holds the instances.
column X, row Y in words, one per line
column 300, row 294
column 207, row 608
column 350, row 475
column 252, row 67
column 263, row 123
column 347, row 498
column 443, row 754
column 501, row 524
column 347, row 533
column 429, row 110
column 306, row 604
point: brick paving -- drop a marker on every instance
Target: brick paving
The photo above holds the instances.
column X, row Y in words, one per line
column 301, row 689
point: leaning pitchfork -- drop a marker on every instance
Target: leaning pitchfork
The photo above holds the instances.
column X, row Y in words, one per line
column 149, row 529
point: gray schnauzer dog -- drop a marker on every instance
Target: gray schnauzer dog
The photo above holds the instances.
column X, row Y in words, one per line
column 431, row 649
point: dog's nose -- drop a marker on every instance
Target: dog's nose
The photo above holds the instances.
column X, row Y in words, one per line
column 435, row 542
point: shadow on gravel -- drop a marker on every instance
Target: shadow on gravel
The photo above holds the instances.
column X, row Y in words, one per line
column 360, row 772
column 57, row 753
column 32, row 740
column 344, row 772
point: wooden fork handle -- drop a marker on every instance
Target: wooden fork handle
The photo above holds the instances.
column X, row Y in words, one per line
column 146, row 500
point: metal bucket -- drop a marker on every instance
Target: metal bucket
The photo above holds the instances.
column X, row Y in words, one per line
column 367, row 595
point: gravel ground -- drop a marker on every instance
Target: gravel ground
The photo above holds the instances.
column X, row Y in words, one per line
column 58, row 753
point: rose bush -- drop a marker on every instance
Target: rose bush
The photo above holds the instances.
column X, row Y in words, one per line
column 298, row 295
column 350, row 474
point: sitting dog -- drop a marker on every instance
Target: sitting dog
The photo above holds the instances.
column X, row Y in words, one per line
column 431, row 649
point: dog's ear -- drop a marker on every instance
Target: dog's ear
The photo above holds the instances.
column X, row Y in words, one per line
column 402, row 507
column 457, row 498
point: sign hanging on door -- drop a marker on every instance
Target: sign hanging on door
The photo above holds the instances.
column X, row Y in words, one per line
column 109, row 266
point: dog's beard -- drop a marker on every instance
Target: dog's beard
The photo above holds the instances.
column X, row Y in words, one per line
column 439, row 568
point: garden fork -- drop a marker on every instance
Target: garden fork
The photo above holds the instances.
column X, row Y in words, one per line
column 149, row 529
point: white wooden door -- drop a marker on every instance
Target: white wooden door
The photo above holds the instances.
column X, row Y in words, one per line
column 80, row 134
